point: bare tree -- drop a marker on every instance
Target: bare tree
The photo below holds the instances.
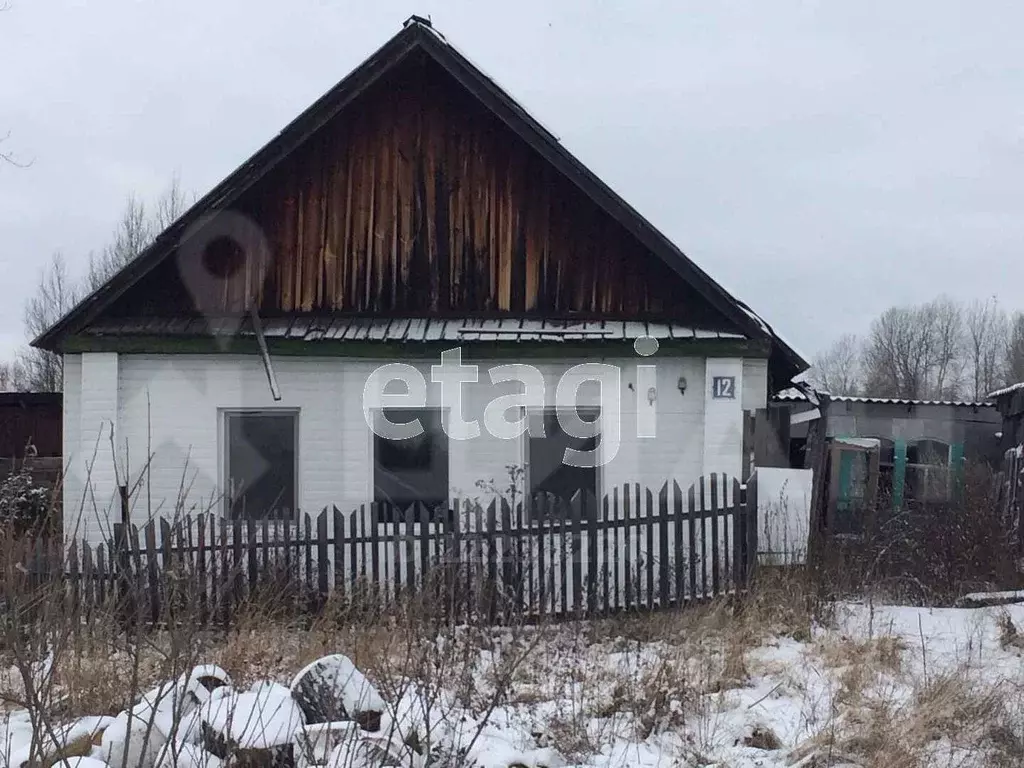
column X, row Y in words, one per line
column 916, row 352
column 986, row 340
column 12, row 377
column 945, row 318
column 58, row 292
column 1014, row 361
column 136, row 230
column 837, row 369
column 55, row 295
column 6, row 156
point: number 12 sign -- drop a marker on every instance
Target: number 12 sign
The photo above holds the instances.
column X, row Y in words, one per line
column 723, row 387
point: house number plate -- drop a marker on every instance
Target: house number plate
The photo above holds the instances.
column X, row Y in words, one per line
column 723, row 387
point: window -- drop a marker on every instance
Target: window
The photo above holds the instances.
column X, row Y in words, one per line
column 927, row 470
column 546, row 470
column 411, row 469
column 261, row 455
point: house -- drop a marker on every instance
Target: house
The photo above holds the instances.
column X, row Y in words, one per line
column 414, row 224
column 878, row 450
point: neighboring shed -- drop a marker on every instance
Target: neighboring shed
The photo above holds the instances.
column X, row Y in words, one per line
column 30, row 417
column 903, row 450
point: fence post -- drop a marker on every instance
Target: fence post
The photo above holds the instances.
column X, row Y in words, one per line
column 125, row 594
column 750, row 538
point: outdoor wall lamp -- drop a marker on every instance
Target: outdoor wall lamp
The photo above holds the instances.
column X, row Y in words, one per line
column 682, row 385
column 652, row 395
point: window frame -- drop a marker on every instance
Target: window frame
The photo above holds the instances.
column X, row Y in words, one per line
column 375, row 413
column 524, row 453
column 929, row 470
column 224, row 415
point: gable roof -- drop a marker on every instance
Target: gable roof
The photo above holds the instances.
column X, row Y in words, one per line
column 418, row 35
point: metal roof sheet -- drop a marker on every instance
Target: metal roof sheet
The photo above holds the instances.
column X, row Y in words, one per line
column 792, row 395
column 412, row 329
column 1007, row 390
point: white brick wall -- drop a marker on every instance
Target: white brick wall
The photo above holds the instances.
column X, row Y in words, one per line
column 170, row 408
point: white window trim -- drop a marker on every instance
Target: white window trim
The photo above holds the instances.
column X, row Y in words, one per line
column 524, row 453
column 371, row 487
column 223, row 414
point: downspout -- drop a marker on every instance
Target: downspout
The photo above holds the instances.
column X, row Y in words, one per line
column 268, row 365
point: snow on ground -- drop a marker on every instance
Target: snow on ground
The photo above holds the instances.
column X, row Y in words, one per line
column 940, row 685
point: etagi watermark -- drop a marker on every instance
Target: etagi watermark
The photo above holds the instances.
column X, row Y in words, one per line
column 451, row 374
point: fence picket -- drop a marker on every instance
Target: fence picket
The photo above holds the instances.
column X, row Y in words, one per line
column 663, row 564
column 703, row 538
column 151, row 569
column 649, row 559
column 339, row 553
column 252, row 553
column 576, row 516
column 323, row 587
column 679, row 558
column 691, row 505
column 715, row 580
column 572, row 557
column 601, row 516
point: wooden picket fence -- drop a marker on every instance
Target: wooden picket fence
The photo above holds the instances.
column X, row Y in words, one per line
column 636, row 549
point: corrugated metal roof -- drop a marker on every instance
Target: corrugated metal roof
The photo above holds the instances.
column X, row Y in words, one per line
column 792, row 395
column 1008, row 390
column 410, row 329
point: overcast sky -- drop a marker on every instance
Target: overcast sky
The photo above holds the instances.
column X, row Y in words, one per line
column 821, row 160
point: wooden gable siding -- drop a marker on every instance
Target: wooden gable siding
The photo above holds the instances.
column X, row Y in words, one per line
column 416, row 200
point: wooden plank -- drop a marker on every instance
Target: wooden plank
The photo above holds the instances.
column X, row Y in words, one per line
column 251, row 554
column 664, row 596
column 510, row 585
column 455, row 563
column 751, row 517
column 339, row 554
column 576, row 505
column 691, row 505
column 218, row 576
column 491, row 534
column 265, row 559
column 308, row 546
column 322, row 558
column 715, row 540
column 88, row 574
column 616, row 512
column 649, row 554
column 702, row 491
column 202, row 554
column 374, row 542
column 102, row 573
column 410, row 549
column 627, row 509
column 538, row 518
column 74, row 576
column 353, row 522
column 479, row 566
column 425, row 516
column 237, row 561
column 151, row 569
column 564, row 548
column 677, row 530
column 602, row 530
